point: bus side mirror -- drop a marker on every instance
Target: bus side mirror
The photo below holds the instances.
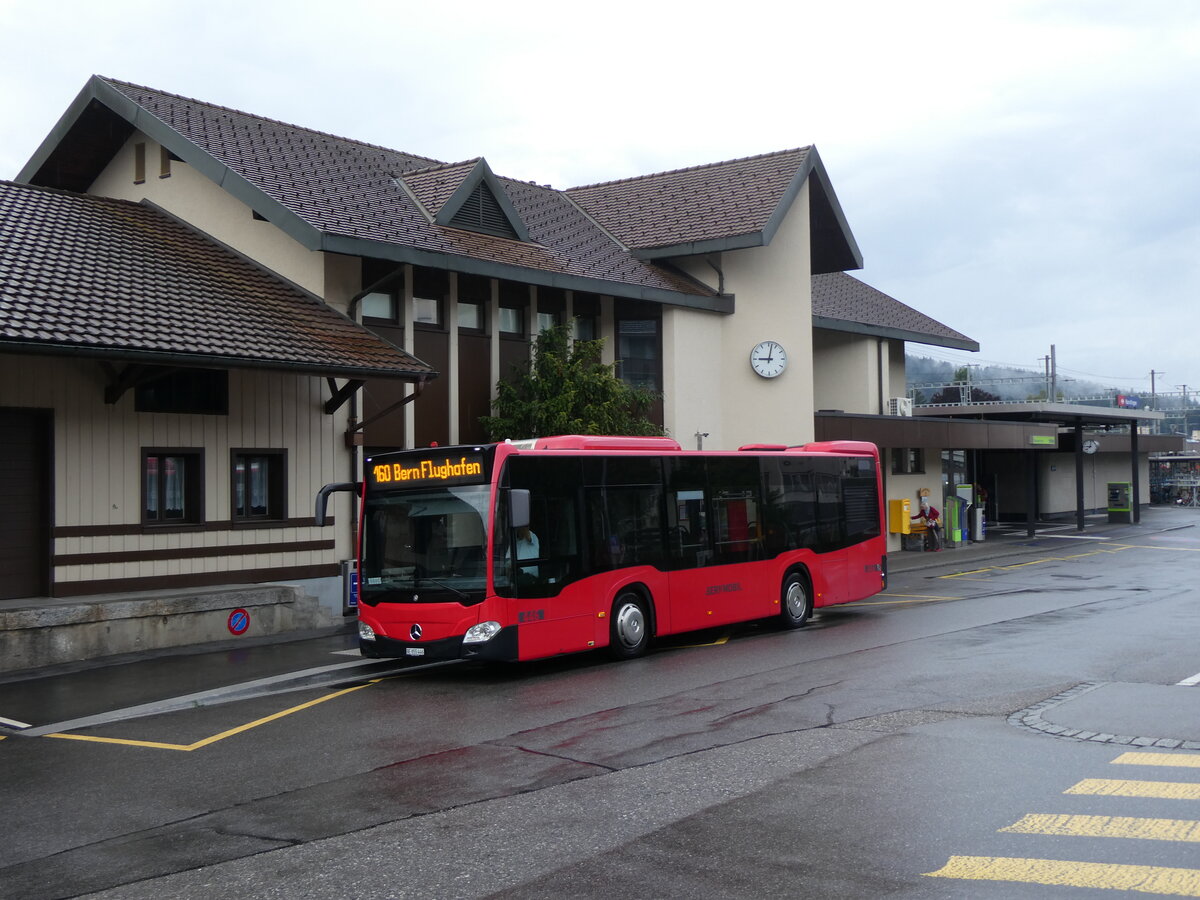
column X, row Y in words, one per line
column 320, row 513
column 518, row 505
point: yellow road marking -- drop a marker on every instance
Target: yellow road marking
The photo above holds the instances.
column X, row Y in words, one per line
column 1109, row 826
column 918, row 596
column 721, row 640
column 1184, row 760
column 1107, row 548
column 1113, row 787
column 901, row 602
column 1110, row 876
column 204, row 742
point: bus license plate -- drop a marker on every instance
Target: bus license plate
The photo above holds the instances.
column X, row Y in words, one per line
column 414, row 651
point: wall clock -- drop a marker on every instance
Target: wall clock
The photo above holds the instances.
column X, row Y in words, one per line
column 768, row 359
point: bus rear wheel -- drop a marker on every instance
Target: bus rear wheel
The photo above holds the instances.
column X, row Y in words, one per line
column 795, row 601
column 629, row 628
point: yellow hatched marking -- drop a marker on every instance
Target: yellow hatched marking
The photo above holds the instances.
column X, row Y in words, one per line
column 204, row 742
column 1111, row 548
column 1109, row 876
column 1180, row 760
column 1113, row 787
column 1109, row 826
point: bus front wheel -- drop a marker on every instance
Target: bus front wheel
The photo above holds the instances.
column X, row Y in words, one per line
column 629, row 628
column 796, row 601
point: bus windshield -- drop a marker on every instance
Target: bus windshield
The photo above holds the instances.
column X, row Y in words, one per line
column 426, row 545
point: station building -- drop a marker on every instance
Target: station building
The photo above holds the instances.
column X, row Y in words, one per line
column 215, row 312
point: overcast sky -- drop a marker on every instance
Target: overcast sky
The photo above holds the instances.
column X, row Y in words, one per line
column 1027, row 173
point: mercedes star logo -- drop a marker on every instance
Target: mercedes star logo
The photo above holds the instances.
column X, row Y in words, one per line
column 415, row 632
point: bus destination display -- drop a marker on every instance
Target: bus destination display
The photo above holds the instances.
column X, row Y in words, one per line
column 414, row 472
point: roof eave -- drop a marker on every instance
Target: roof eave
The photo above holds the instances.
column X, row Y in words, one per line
column 470, row 265
column 833, row 246
column 200, row 360
column 900, row 334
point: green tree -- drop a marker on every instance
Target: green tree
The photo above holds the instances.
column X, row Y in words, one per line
column 566, row 389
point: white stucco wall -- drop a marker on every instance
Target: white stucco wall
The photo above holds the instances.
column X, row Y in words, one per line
column 706, row 361
column 693, row 394
column 192, row 197
column 846, row 371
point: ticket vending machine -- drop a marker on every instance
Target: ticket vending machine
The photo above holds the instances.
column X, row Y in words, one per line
column 1120, row 504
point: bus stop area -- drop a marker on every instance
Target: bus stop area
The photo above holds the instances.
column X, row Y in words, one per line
column 251, row 616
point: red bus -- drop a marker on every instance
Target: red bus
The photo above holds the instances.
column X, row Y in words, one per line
column 529, row 549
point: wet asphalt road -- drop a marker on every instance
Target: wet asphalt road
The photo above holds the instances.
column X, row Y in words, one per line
column 851, row 759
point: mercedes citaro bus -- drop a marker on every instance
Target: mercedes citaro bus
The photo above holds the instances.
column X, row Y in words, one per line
column 527, row 549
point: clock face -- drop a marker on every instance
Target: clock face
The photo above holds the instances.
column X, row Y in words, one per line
column 768, row 359
column 1091, row 446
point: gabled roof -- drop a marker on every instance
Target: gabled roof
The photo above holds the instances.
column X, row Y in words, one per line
column 104, row 278
column 445, row 193
column 723, row 206
column 344, row 196
column 843, row 303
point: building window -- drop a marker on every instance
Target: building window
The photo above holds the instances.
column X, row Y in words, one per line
column 512, row 320
column 139, row 163
column 470, row 316
column 172, row 487
column 584, row 328
column 908, row 461
column 379, row 305
column 198, row 391
column 259, row 485
column 427, row 311
column 164, row 162
column 546, row 320
column 638, row 353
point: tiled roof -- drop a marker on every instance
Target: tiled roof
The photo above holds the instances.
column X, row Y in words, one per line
column 703, row 203
column 109, row 277
column 348, row 189
column 842, row 298
column 434, row 186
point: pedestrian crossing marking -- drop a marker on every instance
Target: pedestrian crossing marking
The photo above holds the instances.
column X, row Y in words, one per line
column 1183, row 830
column 1188, row 760
column 1110, row 876
column 1115, row 787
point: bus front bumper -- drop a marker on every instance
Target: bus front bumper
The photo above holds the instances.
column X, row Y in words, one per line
column 501, row 648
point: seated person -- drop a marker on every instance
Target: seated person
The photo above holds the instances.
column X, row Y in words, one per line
column 528, row 547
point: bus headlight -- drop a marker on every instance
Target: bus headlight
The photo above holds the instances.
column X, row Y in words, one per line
column 365, row 631
column 484, row 631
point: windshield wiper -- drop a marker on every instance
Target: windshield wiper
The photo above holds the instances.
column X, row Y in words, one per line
column 442, row 584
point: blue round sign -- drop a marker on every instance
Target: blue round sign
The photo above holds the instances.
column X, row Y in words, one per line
column 239, row 621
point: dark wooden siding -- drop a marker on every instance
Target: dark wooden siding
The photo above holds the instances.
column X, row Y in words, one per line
column 25, row 503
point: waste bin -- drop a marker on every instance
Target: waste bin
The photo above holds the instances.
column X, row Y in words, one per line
column 977, row 524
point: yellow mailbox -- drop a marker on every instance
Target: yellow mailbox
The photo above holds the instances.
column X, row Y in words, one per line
column 900, row 516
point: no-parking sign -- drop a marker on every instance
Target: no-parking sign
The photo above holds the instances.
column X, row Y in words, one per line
column 239, row 621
